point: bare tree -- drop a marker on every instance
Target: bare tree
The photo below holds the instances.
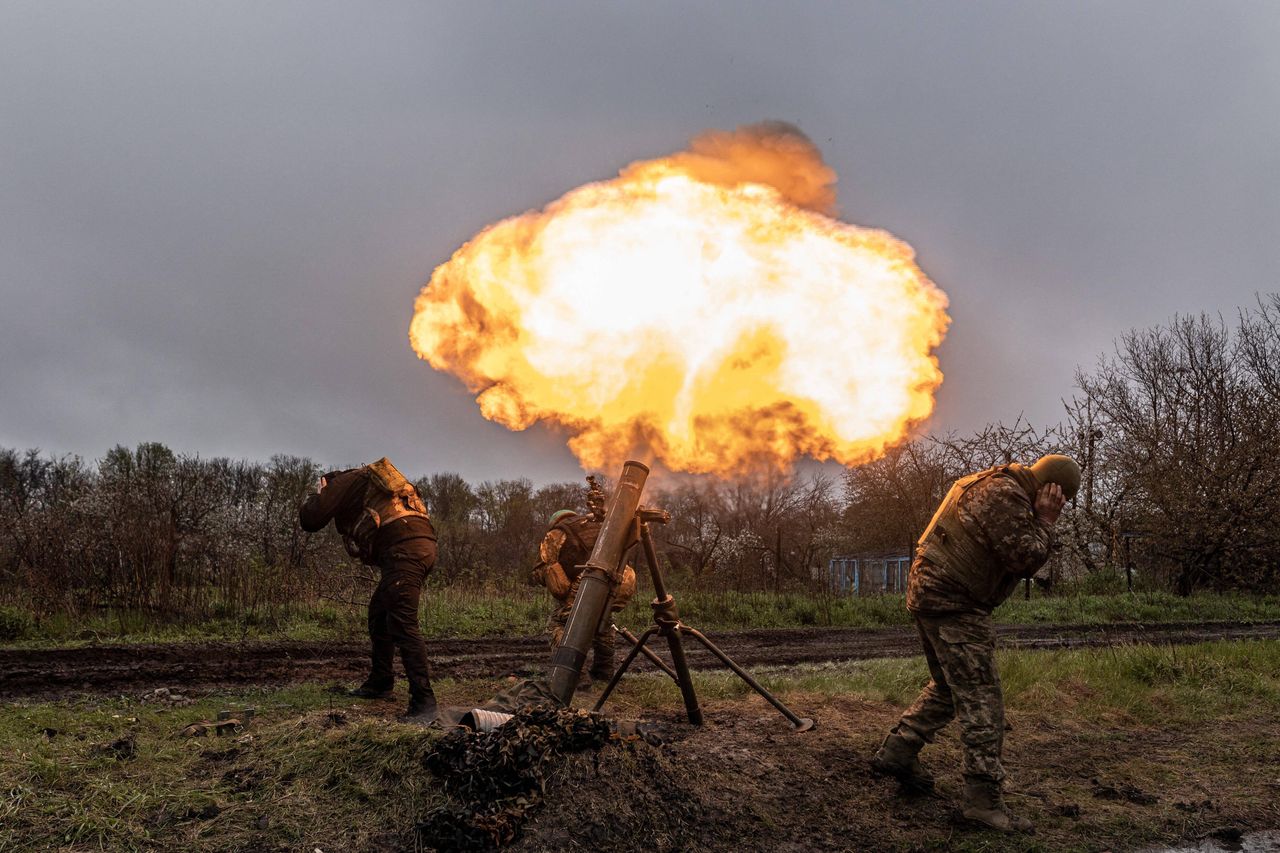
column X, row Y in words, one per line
column 1189, row 416
column 453, row 505
column 692, row 542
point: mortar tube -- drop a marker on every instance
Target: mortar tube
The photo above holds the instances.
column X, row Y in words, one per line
column 590, row 606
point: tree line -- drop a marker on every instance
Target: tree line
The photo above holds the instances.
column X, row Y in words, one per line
column 1176, row 431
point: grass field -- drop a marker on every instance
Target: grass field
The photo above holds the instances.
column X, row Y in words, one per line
column 522, row 612
column 1194, row 725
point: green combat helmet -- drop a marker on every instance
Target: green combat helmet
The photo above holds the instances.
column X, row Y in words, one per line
column 559, row 515
column 1056, row 468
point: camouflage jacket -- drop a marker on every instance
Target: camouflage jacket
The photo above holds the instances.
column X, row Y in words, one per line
column 548, row 572
column 997, row 514
column 562, row 552
column 570, row 543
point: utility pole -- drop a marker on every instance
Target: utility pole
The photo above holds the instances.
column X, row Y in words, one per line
column 1094, row 435
column 777, row 560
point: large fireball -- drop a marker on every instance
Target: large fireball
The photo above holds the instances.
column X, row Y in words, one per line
column 702, row 311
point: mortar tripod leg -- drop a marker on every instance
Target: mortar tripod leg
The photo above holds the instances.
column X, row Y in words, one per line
column 685, row 680
column 622, row 668
column 802, row 724
column 648, row 653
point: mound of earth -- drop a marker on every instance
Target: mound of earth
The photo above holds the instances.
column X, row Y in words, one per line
column 743, row 780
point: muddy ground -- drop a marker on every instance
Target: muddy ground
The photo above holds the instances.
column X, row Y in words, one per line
column 743, row 781
column 56, row 673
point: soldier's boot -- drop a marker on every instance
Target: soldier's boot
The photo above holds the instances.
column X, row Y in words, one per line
column 422, row 710
column 601, row 673
column 899, row 757
column 602, row 654
column 371, row 690
column 984, row 804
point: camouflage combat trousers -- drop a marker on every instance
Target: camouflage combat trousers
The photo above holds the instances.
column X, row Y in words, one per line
column 960, row 650
column 602, row 646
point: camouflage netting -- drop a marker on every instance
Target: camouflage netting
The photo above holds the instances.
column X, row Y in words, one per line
column 496, row 779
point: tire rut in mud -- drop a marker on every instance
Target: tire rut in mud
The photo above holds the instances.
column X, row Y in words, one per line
column 51, row 673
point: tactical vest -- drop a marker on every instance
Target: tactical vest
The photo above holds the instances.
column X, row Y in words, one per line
column 387, row 497
column 580, row 532
column 952, row 547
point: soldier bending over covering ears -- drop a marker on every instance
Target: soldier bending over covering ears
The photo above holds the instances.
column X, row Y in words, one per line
column 993, row 529
column 384, row 523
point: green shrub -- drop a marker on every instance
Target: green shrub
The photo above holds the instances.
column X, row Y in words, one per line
column 1098, row 583
column 14, row 624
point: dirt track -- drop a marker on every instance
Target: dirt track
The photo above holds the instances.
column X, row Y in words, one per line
column 119, row 669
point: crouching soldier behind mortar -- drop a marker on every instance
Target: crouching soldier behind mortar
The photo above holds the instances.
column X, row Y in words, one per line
column 561, row 555
column 384, row 524
column 992, row 529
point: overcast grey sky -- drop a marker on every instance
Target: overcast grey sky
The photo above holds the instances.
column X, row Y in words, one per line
column 214, row 217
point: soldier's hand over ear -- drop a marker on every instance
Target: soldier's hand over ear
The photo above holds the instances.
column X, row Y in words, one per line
column 1049, row 503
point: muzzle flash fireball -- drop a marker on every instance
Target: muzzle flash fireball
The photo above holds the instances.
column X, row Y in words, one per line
column 703, row 310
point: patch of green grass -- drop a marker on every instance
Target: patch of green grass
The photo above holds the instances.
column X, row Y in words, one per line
column 14, row 623
column 467, row 613
column 720, row 611
column 297, row 777
column 523, row 611
column 1146, row 606
column 741, row 610
column 1151, row 684
column 1145, row 684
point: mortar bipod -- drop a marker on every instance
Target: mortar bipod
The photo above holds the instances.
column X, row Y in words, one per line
column 666, row 617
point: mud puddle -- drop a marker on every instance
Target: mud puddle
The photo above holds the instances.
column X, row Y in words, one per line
column 1227, row 841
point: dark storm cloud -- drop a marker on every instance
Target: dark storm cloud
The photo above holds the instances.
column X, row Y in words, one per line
column 214, row 217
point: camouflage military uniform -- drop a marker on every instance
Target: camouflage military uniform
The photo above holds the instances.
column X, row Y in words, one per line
column 563, row 550
column 957, row 579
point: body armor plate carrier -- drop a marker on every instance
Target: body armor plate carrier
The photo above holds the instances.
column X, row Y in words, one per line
column 580, row 534
column 949, row 545
column 387, row 497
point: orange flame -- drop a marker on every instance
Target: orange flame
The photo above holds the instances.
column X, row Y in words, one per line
column 699, row 310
